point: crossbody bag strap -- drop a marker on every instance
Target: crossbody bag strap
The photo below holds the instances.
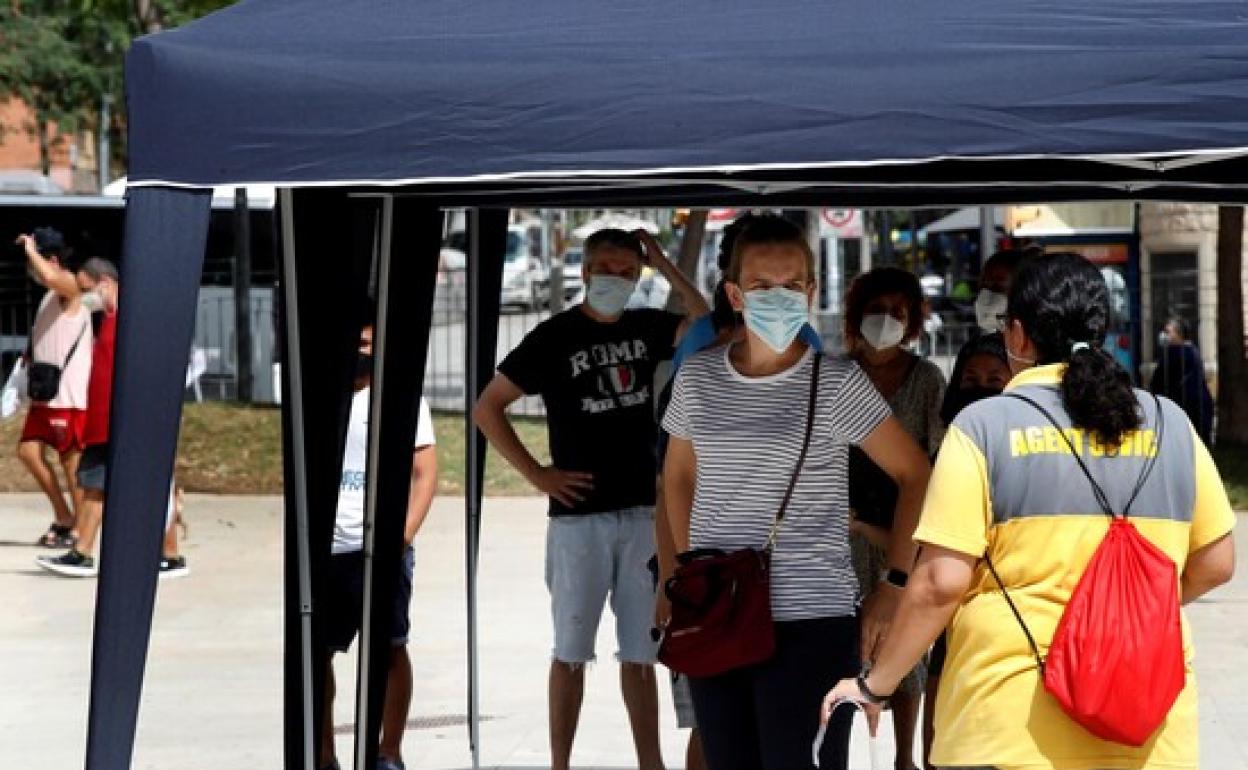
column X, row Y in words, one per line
column 801, row 457
column 74, row 349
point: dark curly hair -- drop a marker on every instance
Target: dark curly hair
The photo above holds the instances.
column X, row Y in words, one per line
column 1062, row 302
column 877, row 283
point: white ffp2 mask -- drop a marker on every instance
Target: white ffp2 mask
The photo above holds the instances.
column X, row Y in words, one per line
column 882, row 331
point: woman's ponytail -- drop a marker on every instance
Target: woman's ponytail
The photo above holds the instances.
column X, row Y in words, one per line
column 1098, row 395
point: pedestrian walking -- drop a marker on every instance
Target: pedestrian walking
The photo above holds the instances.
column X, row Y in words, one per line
column 97, row 279
column 59, row 366
column 594, row 365
column 737, row 419
column 1180, row 376
column 1029, row 486
column 883, row 314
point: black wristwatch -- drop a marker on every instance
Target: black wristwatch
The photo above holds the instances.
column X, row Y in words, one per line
column 896, row 578
column 872, row 698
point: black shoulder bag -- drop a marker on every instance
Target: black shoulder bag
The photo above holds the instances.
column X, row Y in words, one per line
column 43, row 380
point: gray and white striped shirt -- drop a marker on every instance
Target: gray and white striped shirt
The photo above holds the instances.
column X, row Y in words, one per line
column 747, row 434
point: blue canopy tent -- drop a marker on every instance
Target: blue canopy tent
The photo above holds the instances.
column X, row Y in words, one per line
column 373, row 117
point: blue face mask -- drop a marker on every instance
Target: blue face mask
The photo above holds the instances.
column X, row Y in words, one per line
column 608, row 294
column 776, row 315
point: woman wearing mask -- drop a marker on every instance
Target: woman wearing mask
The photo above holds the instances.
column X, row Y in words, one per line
column 719, row 327
column 736, row 420
column 981, row 371
column 1027, row 507
column 883, row 313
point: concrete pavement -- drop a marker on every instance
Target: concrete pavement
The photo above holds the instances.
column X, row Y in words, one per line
column 213, row 692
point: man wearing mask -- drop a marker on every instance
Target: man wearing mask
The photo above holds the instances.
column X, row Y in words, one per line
column 98, row 282
column 593, row 365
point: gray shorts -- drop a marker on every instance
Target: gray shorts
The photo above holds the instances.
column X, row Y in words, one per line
column 682, row 702
column 592, row 557
column 93, row 467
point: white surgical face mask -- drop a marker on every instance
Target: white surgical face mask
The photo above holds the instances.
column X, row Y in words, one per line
column 608, row 294
column 882, row 331
column 93, row 302
column 990, row 307
column 776, row 315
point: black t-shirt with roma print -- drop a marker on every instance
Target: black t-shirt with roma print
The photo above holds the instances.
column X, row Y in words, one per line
column 597, row 382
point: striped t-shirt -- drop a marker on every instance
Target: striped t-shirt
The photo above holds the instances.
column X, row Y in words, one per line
column 747, row 434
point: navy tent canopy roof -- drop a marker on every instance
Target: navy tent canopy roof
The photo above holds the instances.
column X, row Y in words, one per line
column 855, row 95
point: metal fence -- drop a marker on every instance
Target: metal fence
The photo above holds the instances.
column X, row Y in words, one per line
column 444, row 367
column 213, row 368
column 214, row 352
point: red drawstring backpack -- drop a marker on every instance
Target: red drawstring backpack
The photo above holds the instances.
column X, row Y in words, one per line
column 1116, row 661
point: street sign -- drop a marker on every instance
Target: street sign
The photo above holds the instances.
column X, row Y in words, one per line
column 842, row 223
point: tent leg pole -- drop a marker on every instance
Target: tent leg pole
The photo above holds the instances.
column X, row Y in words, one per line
column 472, row 500
column 295, row 369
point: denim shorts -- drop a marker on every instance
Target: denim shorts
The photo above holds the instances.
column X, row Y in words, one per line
column 593, row 557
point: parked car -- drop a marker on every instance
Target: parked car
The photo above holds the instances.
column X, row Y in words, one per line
column 573, row 283
column 652, row 291
column 524, row 275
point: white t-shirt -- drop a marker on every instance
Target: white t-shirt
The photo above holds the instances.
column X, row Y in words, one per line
column 349, row 522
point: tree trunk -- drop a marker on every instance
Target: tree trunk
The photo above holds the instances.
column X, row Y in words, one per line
column 45, row 149
column 148, row 16
column 1232, row 366
column 690, row 253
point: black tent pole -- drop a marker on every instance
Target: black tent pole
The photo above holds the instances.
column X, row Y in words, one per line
column 407, row 274
column 293, row 364
column 160, row 271
column 487, row 246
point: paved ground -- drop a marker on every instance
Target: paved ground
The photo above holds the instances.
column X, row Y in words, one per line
column 213, row 695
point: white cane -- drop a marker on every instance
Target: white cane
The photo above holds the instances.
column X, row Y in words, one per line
column 823, row 729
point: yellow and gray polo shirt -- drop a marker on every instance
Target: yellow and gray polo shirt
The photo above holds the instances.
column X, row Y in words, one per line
column 1005, row 483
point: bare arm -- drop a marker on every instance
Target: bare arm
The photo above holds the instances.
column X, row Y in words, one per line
column 424, row 486
column 940, row 581
column 490, row 416
column 49, row 274
column 679, row 478
column 891, row 448
column 694, row 303
column 1208, row 568
column 665, row 549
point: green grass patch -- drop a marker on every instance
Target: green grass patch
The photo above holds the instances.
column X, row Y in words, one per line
column 233, row 449
column 1232, row 462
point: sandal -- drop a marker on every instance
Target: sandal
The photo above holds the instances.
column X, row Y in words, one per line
column 58, row 536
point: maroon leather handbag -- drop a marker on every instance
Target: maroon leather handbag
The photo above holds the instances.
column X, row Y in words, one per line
column 721, row 601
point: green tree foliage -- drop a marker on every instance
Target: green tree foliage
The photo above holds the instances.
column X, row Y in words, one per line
column 63, row 58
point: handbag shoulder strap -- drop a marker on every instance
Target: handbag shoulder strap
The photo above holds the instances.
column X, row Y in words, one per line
column 801, row 457
column 74, row 348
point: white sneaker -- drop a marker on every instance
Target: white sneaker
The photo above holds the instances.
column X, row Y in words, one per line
column 173, row 567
